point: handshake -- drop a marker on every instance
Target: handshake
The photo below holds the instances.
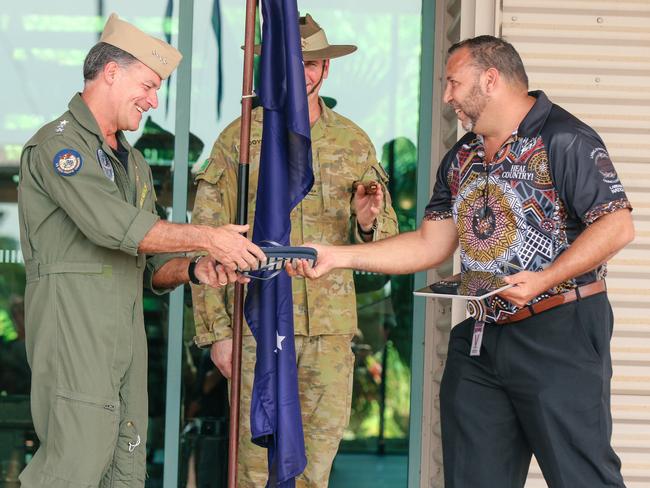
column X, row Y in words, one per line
column 236, row 259
column 231, row 257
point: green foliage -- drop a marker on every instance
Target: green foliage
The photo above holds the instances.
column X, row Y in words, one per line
column 366, row 406
column 7, row 330
column 399, row 158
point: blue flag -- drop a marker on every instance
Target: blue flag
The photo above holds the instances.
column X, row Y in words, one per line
column 285, row 177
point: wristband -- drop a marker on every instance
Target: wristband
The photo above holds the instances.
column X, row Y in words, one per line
column 190, row 270
column 367, row 232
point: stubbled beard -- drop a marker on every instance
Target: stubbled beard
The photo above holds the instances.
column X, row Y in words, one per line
column 320, row 80
column 315, row 87
column 468, row 125
column 473, row 107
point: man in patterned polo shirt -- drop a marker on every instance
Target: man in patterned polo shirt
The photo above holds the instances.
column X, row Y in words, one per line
column 529, row 191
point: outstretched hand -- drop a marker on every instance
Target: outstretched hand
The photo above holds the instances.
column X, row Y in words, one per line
column 325, row 262
column 232, row 249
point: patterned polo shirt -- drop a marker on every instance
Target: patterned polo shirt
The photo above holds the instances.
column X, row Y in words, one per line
column 549, row 181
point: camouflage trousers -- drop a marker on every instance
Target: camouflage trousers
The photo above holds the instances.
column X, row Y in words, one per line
column 325, row 367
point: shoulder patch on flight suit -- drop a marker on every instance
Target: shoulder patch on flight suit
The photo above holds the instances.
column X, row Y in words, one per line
column 67, row 162
column 106, row 165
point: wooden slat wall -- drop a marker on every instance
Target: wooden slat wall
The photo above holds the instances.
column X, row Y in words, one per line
column 593, row 58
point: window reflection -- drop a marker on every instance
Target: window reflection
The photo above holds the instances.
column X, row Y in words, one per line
column 377, row 89
column 17, row 438
column 204, row 440
column 381, row 391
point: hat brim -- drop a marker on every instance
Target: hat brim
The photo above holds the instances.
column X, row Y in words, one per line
column 330, row 52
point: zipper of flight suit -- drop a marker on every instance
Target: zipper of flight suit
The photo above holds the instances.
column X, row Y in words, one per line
column 122, row 179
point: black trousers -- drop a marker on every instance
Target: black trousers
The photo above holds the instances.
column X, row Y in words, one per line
column 540, row 386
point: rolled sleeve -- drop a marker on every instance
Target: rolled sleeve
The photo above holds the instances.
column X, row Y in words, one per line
column 219, row 331
column 154, row 263
column 141, row 225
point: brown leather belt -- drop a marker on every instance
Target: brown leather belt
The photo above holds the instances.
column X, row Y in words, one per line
column 583, row 291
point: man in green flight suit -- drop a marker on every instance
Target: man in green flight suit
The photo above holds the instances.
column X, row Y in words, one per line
column 88, row 233
column 325, row 317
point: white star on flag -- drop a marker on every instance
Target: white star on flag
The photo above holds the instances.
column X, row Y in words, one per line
column 278, row 341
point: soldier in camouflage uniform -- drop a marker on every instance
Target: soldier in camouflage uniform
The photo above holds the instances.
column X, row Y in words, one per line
column 324, row 312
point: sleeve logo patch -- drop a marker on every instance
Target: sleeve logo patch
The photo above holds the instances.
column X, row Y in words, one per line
column 67, row 162
column 604, row 165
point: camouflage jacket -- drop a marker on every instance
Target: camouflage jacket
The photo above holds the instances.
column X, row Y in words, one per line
column 342, row 153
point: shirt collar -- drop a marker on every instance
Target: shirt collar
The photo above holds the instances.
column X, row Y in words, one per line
column 326, row 115
column 86, row 119
column 534, row 120
column 530, row 126
column 83, row 115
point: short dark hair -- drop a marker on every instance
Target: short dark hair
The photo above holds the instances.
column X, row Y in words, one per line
column 492, row 52
column 101, row 54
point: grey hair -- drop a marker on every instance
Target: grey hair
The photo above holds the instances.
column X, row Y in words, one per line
column 491, row 52
column 101, row 54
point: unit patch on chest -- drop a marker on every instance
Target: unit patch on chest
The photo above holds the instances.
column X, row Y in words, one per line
column 106, row 165
column 67, row 162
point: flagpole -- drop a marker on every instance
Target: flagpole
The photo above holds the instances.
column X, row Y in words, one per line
column 242, row 218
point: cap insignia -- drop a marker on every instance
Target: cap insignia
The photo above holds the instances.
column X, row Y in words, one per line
column 160, row 58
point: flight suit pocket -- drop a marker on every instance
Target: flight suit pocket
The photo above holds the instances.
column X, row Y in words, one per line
column 81, row 436
column 91, row 314
column 130, row 445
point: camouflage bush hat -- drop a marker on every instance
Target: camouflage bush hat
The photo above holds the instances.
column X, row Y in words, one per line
column 314, row 42
column 152, row 52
